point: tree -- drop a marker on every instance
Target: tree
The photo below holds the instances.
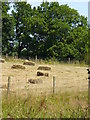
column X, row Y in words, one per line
column 49, row 31
column 68, row 27
column 7, row 29
column 21, row 12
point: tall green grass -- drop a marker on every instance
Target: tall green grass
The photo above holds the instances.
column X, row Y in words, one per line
column 60, row 105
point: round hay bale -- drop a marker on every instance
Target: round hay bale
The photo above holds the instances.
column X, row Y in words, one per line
column 44, row 68
column 2, row 60
column 35, row 81
column 18, row 67
column 29, row 63
column 39, row 73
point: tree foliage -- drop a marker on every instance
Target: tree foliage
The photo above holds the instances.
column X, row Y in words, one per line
column 48, row 31
column 7, row 29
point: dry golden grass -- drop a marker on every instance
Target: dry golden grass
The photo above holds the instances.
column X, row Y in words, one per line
column 36, row 100
column 68, row 78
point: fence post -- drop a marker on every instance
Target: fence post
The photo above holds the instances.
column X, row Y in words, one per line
column 36, row 58
column 69, row 60
column 8, row 86
column 54, row 84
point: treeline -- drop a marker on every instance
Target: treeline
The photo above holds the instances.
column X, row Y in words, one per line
column 48, row 31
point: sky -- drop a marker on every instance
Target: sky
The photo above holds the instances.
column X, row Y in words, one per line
column 80, row 5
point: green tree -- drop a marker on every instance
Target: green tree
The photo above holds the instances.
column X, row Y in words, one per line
column 49, row 30
column 7, row 29
column 68, row 27
column 21, row 12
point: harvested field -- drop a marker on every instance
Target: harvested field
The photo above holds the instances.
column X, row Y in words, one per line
column 18, row 67
column 44, row 68
column 68, row 78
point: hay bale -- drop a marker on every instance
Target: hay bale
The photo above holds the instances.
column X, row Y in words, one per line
column 29, row 63
column 18, row 67
column 44, row 68
column 2, row 60
column 39, row 73
column 35, row 81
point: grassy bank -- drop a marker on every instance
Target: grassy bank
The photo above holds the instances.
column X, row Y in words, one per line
column 60, row 105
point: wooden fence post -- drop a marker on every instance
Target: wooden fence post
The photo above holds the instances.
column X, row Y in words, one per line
column 36, row 58
column 6, row 55
column 54, row 84
column 69, row 60
column 8, row 86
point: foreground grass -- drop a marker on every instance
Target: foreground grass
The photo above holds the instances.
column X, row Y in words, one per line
column 60, row 105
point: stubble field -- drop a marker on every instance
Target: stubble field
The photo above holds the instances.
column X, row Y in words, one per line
column 68, row 78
